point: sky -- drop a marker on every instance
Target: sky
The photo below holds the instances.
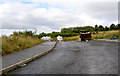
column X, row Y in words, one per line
column 52, row 15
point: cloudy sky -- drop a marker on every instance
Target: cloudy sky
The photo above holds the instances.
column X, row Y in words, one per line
column 52, row 15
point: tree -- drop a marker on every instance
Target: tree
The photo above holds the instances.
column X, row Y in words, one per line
column 96, row 28
column 112, row 27
column 42, row 33
column 118, row 27
column 106, row 28
column 64, row 30
column 29, row 33
column 76, row 30
column 101, row 28
column 54, row 32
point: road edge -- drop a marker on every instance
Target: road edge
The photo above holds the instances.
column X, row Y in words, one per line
column 106, row 40
column 25, row 61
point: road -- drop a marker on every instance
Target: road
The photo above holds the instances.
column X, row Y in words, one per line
column 93, row 57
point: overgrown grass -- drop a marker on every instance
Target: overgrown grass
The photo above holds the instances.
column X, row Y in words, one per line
column 54, row 39
column 99, row 35
column 73, row 38
column 0, row 44
column 106, row 35
column 17, row 43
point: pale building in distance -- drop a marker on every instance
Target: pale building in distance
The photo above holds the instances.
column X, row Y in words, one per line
column 60, row 38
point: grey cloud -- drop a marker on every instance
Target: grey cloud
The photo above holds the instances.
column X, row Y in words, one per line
column 119, row 12
column 103, row 10
column 106, row 11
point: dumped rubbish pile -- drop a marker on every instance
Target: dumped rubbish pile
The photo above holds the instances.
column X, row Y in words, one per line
column 46, row 38
column 59, row 38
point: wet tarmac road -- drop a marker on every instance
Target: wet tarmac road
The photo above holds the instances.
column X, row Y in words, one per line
column 93, row 57
column 24, row 54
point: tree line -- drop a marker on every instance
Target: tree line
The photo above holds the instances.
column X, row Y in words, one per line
column 90, row 28
column 68, row 32
column 74, row 31
column 55, row 34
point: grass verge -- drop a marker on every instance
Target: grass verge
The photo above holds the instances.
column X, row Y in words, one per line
column 73, row 38
column 0, row 44
column 17, row 43
column 106, row 35
column 99, row 35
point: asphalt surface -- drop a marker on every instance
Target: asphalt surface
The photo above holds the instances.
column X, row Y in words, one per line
column 26, row 53
column 114, row 40
column 94, row 57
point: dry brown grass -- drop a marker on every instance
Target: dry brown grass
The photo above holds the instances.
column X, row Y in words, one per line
column 0, row 44
column 73, row 38
column 106, row 34
column 17, row 43
column 101, row 34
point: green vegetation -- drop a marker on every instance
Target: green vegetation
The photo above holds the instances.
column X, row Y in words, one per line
column 98, row 35
column 74, row 38
column 106, row 34
column 19, row 41
column 0, row 44
column 72, row 33
column 54, row 39
column 77, row 29
column 97, row 32
column 55, row 34
column 90, row 28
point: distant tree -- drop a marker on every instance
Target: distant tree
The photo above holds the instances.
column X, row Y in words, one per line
column 89, row 28
column 76, row 30
column 29, row 33
column 70, row 30
column 106, row 28
column 42, row 33
column 54, row 32
column 117, row 27
column 101, row 28
column 112, row 27
column 96, row 28
column 64, row 30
